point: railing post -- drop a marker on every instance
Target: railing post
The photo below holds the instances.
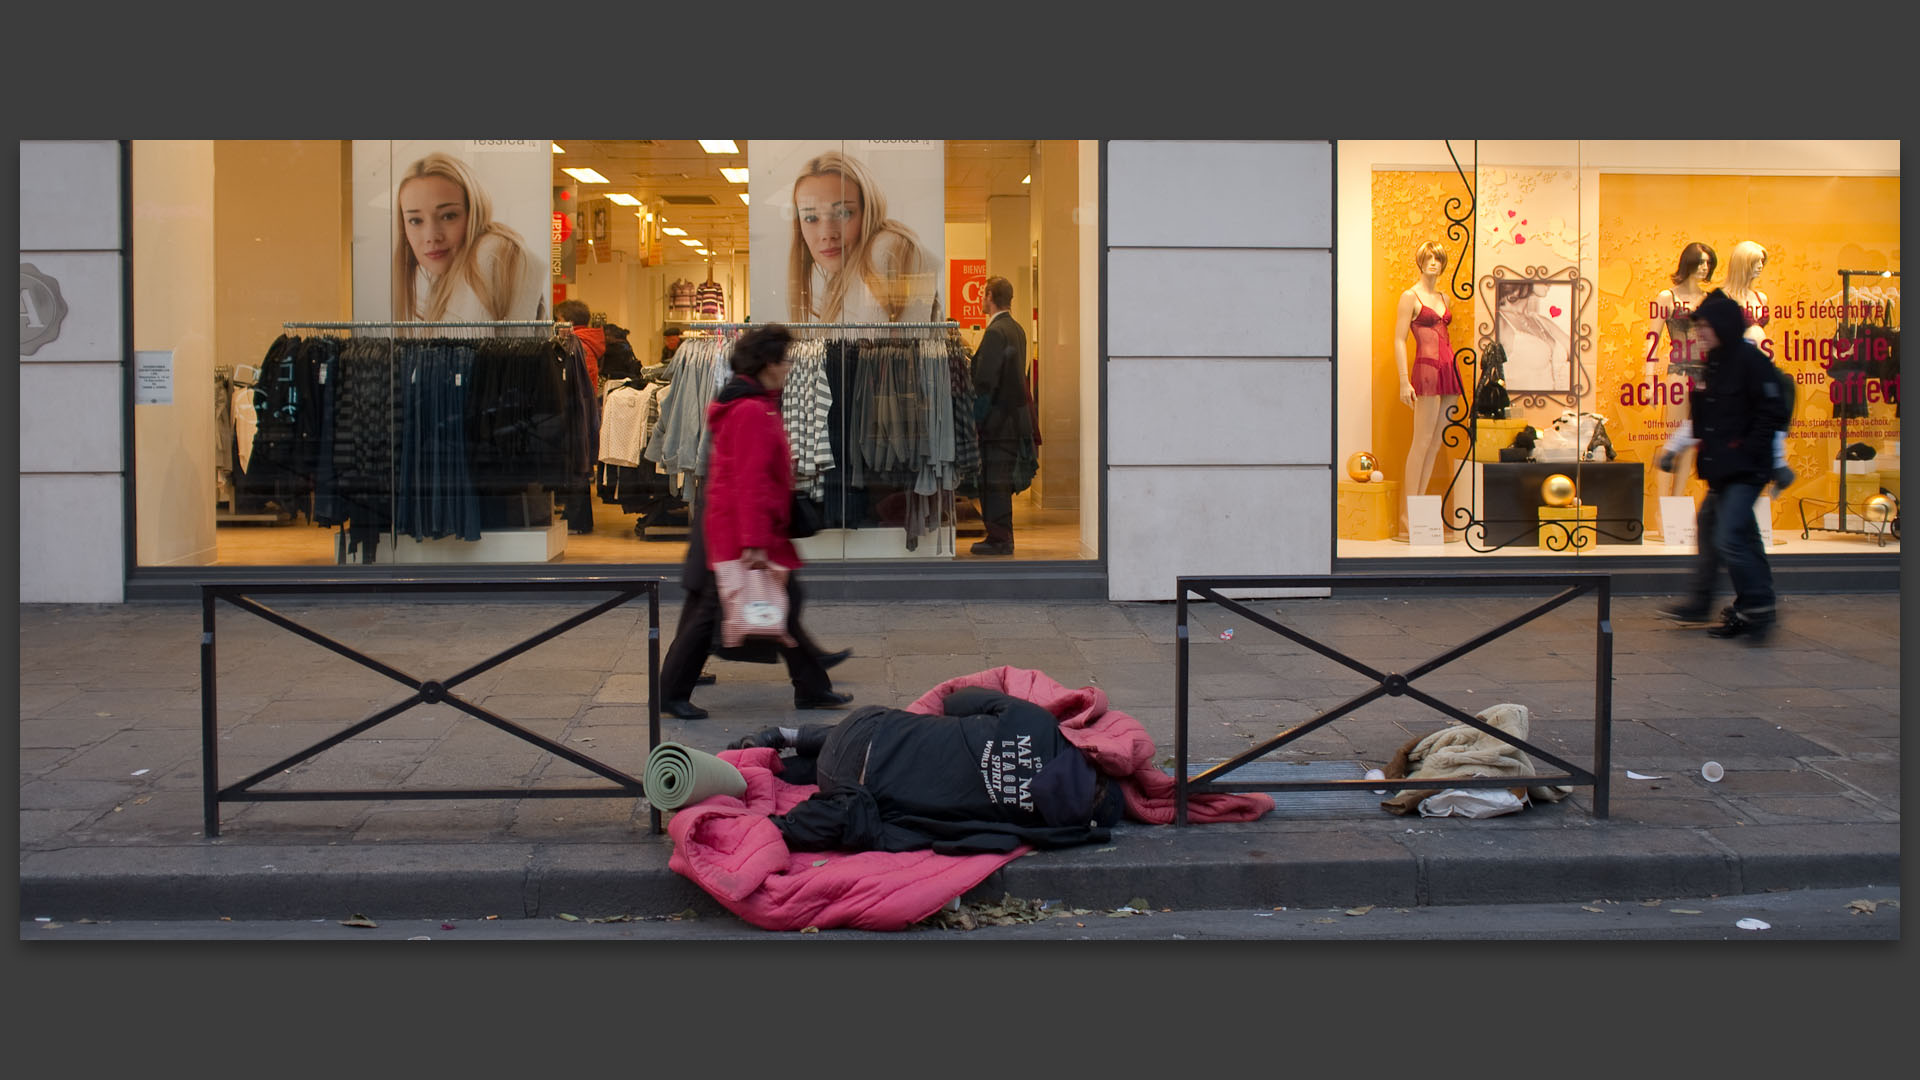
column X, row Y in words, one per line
column 1180, row 705
column 1603, row 698
column 209, row 710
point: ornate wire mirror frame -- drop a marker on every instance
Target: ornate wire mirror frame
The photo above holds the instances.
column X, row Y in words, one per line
column 1462, row 421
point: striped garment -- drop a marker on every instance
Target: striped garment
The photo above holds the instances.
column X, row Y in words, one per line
column 804, row 404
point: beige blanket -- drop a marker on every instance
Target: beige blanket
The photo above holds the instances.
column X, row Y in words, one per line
column 1459, row 750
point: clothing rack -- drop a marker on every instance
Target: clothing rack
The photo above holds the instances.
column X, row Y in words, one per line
column 1840, row 511
column 834, row 325
column 524, row 324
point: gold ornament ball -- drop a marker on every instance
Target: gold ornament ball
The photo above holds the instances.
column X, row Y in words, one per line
column 1361, row 465
column 1879, row 507
column 1557, row 490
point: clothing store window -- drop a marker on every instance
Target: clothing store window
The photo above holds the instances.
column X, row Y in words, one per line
column 459, row 351
column 1515, row 348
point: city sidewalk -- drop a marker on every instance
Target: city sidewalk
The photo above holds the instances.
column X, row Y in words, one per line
column 1806, row 727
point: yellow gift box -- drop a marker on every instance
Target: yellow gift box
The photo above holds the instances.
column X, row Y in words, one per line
column 1562, row 539
column 1492, row 436
column 1369, row 511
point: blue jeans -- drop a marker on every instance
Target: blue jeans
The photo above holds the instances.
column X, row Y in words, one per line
column 1728, row 535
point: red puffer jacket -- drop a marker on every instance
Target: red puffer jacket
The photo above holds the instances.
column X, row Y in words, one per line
column 749, row 476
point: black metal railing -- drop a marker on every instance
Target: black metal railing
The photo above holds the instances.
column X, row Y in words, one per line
column 424, row 691
column 1398, row 684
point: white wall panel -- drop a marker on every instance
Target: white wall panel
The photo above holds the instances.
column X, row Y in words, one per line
column 1220, row 194
column 1166, row 522
column 1219, row 302
column 1209, row 411
column 72, row 537
column 69, row 196
column 90, row 285
column 70, row 418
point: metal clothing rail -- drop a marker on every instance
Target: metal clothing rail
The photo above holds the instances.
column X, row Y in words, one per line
column 1397, row 684
column 829, row 325
column 523, row 323
column 1807, row 528
column 424, row 691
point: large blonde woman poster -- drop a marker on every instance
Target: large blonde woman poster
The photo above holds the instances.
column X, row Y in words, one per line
column 847, row 231
column 451, row 231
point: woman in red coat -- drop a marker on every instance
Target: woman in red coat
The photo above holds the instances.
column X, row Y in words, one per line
column 744, row 506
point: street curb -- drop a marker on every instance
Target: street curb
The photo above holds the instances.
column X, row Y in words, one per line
column 1224, row 867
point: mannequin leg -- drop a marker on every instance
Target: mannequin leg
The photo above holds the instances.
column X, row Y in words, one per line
column 1675, row 482
column 1421, row 451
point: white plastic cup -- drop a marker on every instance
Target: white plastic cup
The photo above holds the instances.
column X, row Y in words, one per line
column 1712, row 772
column 1376, row 774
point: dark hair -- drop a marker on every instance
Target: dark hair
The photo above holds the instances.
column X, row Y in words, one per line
column 759, row 347
column 1691, row 257
column 1000, row 291
column 573, row 311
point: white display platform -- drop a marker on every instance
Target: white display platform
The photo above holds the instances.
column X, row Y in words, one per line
column 875, row 544
column 536, row 544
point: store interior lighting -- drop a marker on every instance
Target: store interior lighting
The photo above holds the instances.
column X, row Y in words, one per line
column 556, row 148
column 623, row 199
column 743, row 197
column 691, row 243
column 737, row 176
column 719, row 146
column 586, row 176
column 673, row 230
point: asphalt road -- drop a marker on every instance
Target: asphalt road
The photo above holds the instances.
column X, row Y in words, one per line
column 1867, row 914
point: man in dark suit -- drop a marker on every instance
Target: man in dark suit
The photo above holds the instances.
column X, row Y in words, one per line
column 1002, row 413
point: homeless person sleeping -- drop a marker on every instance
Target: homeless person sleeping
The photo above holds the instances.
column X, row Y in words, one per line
column 988, row 773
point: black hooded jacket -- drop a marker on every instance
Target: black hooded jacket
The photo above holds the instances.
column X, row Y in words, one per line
column 1740, row 405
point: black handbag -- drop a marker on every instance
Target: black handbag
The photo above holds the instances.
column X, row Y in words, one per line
column 804, row 518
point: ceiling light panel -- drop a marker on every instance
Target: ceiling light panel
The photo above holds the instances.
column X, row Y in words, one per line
column 693, row 243
column 623, row 199
column 673, row 230
column 586, row 176
column 719, row 146
column 737, row 176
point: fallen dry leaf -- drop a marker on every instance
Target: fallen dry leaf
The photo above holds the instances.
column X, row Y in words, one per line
column 569, row 918
column 1863, row 907
column 1362, row 910
column 1684, row 911
column 809, row 929
column 359, row 920
column 1595, row 910
column 819, row 862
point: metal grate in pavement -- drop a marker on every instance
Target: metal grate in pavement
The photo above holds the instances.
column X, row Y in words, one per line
column 1306, row 804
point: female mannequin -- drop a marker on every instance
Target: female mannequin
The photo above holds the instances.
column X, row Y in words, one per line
column 1743, row 273
column 1672, row 308
column 1431, row 379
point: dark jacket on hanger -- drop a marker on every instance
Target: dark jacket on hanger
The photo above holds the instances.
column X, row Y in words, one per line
column 1741, row 405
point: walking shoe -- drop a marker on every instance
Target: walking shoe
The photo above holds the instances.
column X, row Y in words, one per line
column 707, row 678
column 833, row 659
column 829, row 700
column 1735, row 624
column 989, row 547
column 1686, row 613
column 684, row 709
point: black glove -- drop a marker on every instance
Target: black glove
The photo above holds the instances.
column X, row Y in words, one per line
column 1665, row 461
column 1782, row 476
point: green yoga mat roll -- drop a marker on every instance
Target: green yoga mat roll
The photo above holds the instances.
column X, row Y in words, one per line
column 678, row 775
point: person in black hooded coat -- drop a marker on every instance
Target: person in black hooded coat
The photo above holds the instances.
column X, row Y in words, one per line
column 1733, row 417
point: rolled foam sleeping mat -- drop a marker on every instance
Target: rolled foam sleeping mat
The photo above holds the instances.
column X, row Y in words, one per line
column 679, row 775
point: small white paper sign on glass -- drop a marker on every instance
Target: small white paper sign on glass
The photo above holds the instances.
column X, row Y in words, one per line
column 153, row 378
column 1677, row 520
column 1423, row 520
column 1763, row 517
